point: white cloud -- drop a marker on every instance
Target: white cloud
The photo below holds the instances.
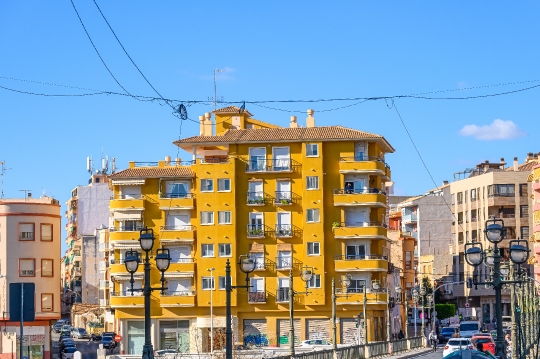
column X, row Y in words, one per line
column 498, row 130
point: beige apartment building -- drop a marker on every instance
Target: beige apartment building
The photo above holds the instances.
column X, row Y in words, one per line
column 30, row 253
column 491, row 190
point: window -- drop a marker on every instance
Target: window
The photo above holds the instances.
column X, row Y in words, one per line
column 315, row 281
column 46, row 267
column 523, row 190
column 47, row 302
column 26, row 231
column 312, row 215
column 466, row 195
column 473, row 195
column 207, row 185
column 312, row 182
column 207, row 250
column 208, row 283
column 524, row 211
column 46, row 232
column 224, row 217
column 314, row 248
column 177, row 189
column 224, row 249
column 525, row 232
column 222, row 284
column 207, row 218
column 460, row 197
column 312, row 149
column 27, row 267
column 501, row 190
column 224, row 184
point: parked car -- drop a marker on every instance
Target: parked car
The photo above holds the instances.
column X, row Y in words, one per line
column 456, row 344
column 108, row 334
column 468, row 328
column 315, row 344
column 67, row 352
column 65, row 334
column 68, row 342
column 80, row 333
column 487, row 342
column 57, row 328
column 108, row 342
column 95, row 337
column 446, row 333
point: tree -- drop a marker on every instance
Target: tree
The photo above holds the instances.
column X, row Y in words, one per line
column 445, row 311
column 429, row 291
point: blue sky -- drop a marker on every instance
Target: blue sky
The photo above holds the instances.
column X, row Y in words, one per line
column 275, row 50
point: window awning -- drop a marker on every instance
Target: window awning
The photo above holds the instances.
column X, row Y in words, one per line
column 173, row 242
column 127, row 216
column 284, row 247
column 257, row 248
column 126, row 244
column 171, row 275
column 128, row 182
column 127, row 277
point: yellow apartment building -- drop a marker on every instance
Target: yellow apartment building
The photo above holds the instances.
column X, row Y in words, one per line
column 290, row 197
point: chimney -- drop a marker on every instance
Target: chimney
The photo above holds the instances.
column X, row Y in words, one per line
column 201, row 120
column 502, row 163
column 310, row 120
column 29, row 195
column 167, row 160
column 486, row 165
column 530, row 156
column 516, row 166
column 444, row 183
column 207, row 124
column 178, row 160
column 293, row 123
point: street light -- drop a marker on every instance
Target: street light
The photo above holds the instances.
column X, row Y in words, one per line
column 415, row 299
column 163, row 260
column 345, row 282
column 306, row 274
column 247, row 265
column 495, row 232
column 399, row 292
column 422, row 294
column 211, row 270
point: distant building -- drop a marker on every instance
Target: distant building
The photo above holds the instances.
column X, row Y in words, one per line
column 30, row 253
column 534, row 178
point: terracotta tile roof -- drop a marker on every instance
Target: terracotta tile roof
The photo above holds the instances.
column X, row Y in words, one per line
column 231, row 110
column 525, row 166
column 153, row 172
column 300, row 134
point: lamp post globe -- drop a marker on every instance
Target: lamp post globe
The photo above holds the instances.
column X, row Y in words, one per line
column 376, row 285
column 474, row 255
column 346, row 280
column 307, row 273
column 163, row 259
column 495, row 232
column 505, row 270
column 132, row 261
column 247, row 263
column 146, row 239
column 519, row 253
column 490, row 260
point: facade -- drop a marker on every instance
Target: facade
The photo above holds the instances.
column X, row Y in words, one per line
column 289, row 197
column 489, row 191
column 88, row 210
column 30, row 252
column 534, row 178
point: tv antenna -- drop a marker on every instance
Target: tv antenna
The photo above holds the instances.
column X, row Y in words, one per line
column 26, row 191
column 4, row 169
column 215, row 99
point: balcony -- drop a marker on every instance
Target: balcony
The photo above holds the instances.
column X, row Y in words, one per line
column 103, row 266
column 255, row 199
column 182, row 265
column 282, row 295
column 177, row 233
column 257, row 297
column 409, row 234
column 256, row 231
column 176, row 201
column 181, row 298
column 355, row 296
column 283, row 198
column 127, row 202
column 364, row 164
column 359, row 230
column 284, row 230
column 284, row 263
column 285, row 165
column 124, row 233
column 366, row 263
column 372, row 197
column 408, row 218
column 103, row 247
column 124, row 299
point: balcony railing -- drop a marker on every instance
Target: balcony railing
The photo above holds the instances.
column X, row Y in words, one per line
column 215, row 160
column 255, row 198
column 362, row 158
column 128, row 196
column 178, row 293
column 348, row 257
column 284, row 230
column 359, row 191
column 283, row 197
column 126, row 229
column 362, row 224
column 176, row 195
column 509, row 215
column 177, row 227
column 127, row 292
column 257, row 297
column 501, row 195
column 409, row 217
column 282, row 295
column 182, row 260
column 260, row 264
column 255, row 230
column 273, row 165
column 284, row 262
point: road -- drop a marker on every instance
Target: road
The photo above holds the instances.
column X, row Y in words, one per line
column 87, row 348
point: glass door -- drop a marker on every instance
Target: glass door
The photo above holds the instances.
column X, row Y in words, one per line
column 282, row 159
column 257, row 159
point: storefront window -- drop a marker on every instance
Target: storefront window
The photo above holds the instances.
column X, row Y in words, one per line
column 135, row 337
column 174, row 334
column 32, row 347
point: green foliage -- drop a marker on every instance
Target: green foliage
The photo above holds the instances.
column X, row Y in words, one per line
column 445, row 311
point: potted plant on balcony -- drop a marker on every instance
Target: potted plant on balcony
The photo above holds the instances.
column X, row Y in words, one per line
column 335, row 225
column 285, row 201
column 259, row 201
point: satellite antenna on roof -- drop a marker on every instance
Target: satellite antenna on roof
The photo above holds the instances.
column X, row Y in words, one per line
column 89, row 166
column 113, row 165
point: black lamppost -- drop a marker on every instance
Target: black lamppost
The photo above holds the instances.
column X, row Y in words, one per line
column 345, row 282
column 163, row 260
column 305, row 274
column 247, row 265
column 399, row 292
column 475, row 255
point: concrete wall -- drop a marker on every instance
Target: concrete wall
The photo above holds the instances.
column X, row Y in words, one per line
column 93, row 211
column 435, row 223
column 91, row 257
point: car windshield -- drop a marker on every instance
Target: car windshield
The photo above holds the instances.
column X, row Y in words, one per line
column 458, row 343
column 469, row 326
column 82, row 331
column 448, row 330
column 482, row 340
column 106, row 338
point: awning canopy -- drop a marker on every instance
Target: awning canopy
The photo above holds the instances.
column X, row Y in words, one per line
column 126, row 244
column 127, row 277
column 128, row 182
column 171, row 275
column 127, row 215
column 175, row 242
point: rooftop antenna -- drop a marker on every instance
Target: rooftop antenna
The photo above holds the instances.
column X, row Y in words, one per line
column 113, row 165
column 89, row 167
column 4, row 169
column 26, row 191
column 215, row 87
column 105, row 165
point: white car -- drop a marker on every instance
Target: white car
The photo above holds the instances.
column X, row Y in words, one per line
column 315, row 344
column 455, row 344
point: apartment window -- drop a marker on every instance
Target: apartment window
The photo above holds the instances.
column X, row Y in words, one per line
column 207, row 250
column 47, row 268
column 224, row 217
column 466, row 216
column 524, row 211
column 207, row 185
column 26, row 231
column 47, row 302
column 312, row 149
column 207, row 218
column 222, row 284
column 46, row 232
column 224, row 184
column 473, row 195
column 525, row 232
column 315, row 281
column 224, row 250
column 312, row 182
column 312, row 215
column 408, row 260
column 460, row 197
column 474, row 235
column 27, row 267
column 314, row 248
column 523, row 190
column 208, row 283
column 501, row 190
column 466, row 195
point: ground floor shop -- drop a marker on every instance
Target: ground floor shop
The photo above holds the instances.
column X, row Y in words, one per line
column 36, row 340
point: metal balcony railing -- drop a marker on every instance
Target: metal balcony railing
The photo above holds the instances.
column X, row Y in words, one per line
column 128, row 196
column 348, row 257
column 178, row 293
column 255, row 198
column 176, row 195
column 282, row 295
column 362, row 224
column 260, row 264
column 126, row 229
column 359, row 191
column 126, row 292
column 255, row 230
column 257, row 297
column 283, row 230
column 283, row 197
column 409, row 217
column 265, row 165
column 177, row 227
column 182, row 260
column 284, row 262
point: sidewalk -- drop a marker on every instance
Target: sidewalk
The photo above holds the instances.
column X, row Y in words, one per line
column 411, row 353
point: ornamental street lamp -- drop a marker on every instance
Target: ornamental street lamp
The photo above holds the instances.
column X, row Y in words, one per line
column 422, row 294
column 345, row 282
column 306, row 273
column 247, row 265
column 132, row 260
column 399, row 292
column 415, row 299
column 495, row 232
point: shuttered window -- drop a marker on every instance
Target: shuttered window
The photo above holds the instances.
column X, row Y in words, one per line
column 26, row 231
column 46, row 232
column 46, row 267
column 47, row 302
column 27, row 267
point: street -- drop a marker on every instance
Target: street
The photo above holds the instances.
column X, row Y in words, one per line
column 87, row 348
